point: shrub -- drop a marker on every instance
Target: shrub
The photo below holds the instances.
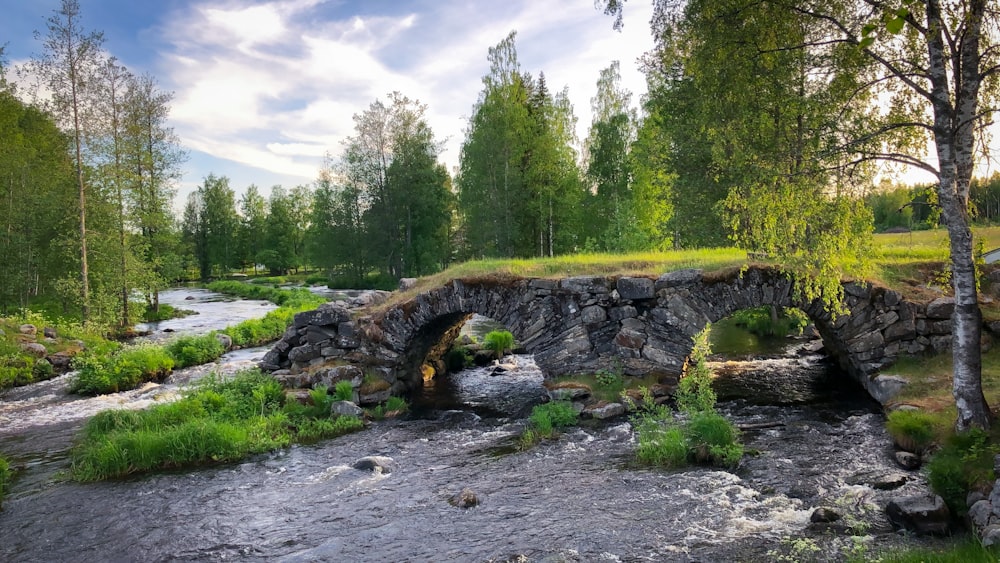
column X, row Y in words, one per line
column 343, row 391
column 194, row 350
column 705, row 437
column 316, row 279
column 499, row 342
column 321, row 400
column 694, row 392
column 967, row 551
column 609, row 379
column 457, row 359
column 912, row 430
column 713, row 439
column 963, row 464
column 393, row 406
column 125, row 369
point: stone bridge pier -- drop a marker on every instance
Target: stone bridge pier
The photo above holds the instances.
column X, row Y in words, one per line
column 580, row 325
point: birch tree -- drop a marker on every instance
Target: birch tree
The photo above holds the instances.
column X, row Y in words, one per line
column 931, row 76
column 66, row 68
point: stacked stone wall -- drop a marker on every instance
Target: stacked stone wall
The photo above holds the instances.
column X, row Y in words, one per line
column 588, row 323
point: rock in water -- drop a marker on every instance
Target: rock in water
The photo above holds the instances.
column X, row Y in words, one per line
column 465, row 499
column 908, row 460
column 824, row 515
column 376, row 464
column 922, row 514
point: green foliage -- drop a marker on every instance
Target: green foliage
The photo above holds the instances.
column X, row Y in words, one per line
column 343, row 391
column 969, row 550
column 664, row 445
column 210, row 226
column 704, row 436
column 393, row 406
column 125, row 369
column 499, row 342
column 546, row 419
column 321, row 399
column 458, row 358
column 255, row 332
column 694, row 392
column 912, row 430
column 760, row 321
column 712, row 438
column 290, row 298
column 964, row 463
column 163, row 313
column 519, row 189
column 609, row 379
column 194, row 350
column 218, row 421
column 5, row 475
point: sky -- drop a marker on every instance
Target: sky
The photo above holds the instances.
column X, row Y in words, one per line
column 263, row 89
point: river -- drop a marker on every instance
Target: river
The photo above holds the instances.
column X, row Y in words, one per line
column 577, row 498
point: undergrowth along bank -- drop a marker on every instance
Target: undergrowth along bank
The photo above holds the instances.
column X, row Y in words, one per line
column 216, row 422
column 102, row 370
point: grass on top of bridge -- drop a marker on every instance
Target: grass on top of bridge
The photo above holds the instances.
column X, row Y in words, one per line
column 634, row 264
column 909, row 262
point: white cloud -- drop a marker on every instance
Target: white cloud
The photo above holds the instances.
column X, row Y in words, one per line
column 274, row 85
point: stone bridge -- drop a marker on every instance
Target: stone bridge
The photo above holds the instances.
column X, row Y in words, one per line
column 583, row 324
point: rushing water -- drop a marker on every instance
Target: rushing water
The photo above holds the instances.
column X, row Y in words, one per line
column 213, row 310
column 577, row 498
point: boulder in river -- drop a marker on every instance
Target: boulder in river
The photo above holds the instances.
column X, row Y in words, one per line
column 376, row 464
column 824, row 515
column 921, row 514
column 908, row 460
column 466, row 498
column 61, row 361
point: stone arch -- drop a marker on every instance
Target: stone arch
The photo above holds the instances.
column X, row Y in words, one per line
column 588, row 323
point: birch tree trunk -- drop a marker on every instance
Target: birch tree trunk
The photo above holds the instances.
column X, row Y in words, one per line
column 955, row 115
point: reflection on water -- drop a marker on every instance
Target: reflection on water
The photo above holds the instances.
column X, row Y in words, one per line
column 736, row 342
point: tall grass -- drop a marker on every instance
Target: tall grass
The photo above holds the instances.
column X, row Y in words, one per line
column 217, row 422
column 283, row 297
column 124, row 369
column 255, row 332
column 545, row 420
